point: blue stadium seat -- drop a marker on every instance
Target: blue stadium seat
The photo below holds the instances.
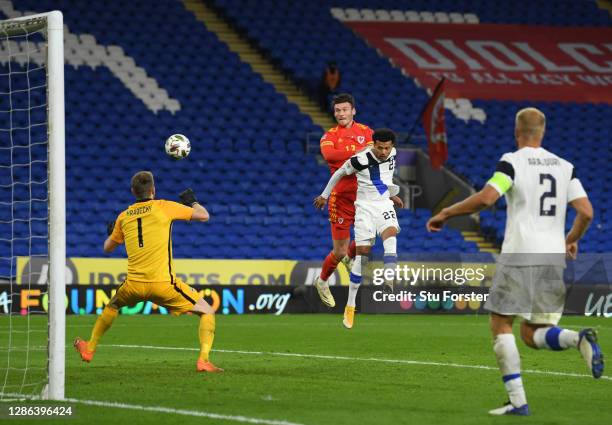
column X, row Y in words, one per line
column 246, row 136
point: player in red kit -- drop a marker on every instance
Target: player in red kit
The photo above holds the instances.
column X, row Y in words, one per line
column 337, row 145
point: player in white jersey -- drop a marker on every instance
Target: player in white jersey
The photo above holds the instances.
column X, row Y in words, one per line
column 528, row 280
column 374, row 207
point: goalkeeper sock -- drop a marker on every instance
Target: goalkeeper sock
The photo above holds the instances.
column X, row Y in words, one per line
column 103, row 324
column 329, row 266
column 207, row 335
column 352, row 249
column 509, row 363
column 555, row 338
column 355, row 281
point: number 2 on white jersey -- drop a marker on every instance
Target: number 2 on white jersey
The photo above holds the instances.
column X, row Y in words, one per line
column 552, row 193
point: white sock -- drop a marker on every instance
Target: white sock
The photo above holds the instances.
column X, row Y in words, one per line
column 509, row 363
column 390, row 246
column 555, row 338
column 355, row 281
column 352, row 296
column 390, row 256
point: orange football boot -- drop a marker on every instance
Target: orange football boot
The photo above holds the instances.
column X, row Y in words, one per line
column 81, row 347
column 207, row 366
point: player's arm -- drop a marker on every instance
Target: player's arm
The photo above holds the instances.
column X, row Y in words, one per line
column 189, row 199
column 397, row 201
column 497, row 185
column 578, row 199
column 199, row 213
column 582, row 221
column 115, row 236
column 346, row 169
column 370, row 141
column 110, row 245
column 320, row 201
column 331, row 154
column 472, row 204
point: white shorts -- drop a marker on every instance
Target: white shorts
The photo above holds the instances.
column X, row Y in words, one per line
column 372, row 218
column 535, row 293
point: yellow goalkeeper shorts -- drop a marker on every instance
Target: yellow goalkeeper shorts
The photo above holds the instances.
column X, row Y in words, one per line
column 177, row 296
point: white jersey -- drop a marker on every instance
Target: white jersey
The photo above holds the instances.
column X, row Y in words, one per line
column 538, row 186
column 374, row 211
column 374, row 177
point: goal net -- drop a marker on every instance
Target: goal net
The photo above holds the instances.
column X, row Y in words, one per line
column 32, row 207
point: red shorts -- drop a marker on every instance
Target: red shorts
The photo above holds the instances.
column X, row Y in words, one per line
column 341, row 208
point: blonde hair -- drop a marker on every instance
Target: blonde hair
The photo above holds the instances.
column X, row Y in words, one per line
column 142, row 183
column 530, row 123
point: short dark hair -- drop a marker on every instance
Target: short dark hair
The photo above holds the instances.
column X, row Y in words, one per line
column 342, row 98
column 384, row 135
column 142, row 183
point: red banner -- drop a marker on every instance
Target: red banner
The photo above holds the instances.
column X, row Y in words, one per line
column 435, row 128
column 514, row 62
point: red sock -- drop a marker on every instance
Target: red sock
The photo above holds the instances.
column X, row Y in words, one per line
column 329, row 266
column 352, row 251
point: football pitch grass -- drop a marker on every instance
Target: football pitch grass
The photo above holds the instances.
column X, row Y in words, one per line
column 308, row 369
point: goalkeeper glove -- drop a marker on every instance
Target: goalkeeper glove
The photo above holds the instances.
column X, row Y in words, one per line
column 110, row 226
column 188, row 198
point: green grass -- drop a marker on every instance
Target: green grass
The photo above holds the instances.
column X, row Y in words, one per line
column 355, row 389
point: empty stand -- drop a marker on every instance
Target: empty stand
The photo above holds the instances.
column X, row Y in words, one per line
column 479, row 132
column 248, row 163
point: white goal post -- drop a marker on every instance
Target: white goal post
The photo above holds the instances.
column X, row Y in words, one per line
column 50, row 25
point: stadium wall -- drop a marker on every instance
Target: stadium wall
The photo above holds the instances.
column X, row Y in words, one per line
column 588, row 300
column 284, row 286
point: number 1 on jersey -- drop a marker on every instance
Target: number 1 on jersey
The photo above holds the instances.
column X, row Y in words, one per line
column 140, row 240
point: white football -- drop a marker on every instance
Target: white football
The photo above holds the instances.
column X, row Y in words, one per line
column 178, row 146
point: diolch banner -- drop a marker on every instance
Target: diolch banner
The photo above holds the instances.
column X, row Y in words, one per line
column 492, row 61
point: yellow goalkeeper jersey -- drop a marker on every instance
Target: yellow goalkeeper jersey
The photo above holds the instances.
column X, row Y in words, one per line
column 146, row 229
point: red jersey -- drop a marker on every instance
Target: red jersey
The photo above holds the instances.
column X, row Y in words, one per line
column 339, row 144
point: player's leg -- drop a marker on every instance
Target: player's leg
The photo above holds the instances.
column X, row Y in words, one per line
column 341, row 234
column 508, row 297
column 540, row 330
column 548, row 336
column 206, row 333
column 509, row 363
column 341, row 208
column 365, row 234
column 349, row 210
column 350, row 256
column 389, row 238
column 385, row 221
column 552, row 337
column 363, row 251
column 123, row 296
column 181, row 298
column 341, row 239
column 341, row 216
column 352, row 250
column 341, row 242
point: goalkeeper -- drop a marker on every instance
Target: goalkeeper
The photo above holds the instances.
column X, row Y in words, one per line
column 145, row 228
